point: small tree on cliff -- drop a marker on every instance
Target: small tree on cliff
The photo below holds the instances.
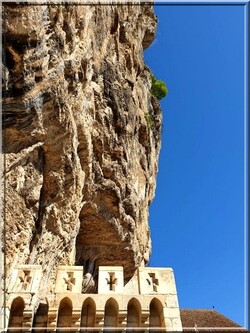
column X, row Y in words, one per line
column 158, row 88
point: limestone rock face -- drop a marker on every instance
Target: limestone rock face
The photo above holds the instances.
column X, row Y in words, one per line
column 81, row 135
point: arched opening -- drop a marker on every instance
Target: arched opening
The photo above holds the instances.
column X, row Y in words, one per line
column 64, row 317
column 88, row 313
column 16, row 315
column 111, row 313
column 134, row 313
column 156, row 318
column 41, row 318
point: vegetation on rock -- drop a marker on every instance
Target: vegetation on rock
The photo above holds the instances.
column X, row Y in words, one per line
column 158, row 88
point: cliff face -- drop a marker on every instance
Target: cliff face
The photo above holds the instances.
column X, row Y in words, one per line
column 82, row 135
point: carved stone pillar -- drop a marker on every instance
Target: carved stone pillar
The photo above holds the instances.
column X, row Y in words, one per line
column 52, row 319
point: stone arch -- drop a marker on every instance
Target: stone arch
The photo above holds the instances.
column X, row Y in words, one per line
column 134, row 313
column 111, row 313
column 16, row 315
column 64, row 317
column 88, row 313
column 156, row 317
column 41, row 317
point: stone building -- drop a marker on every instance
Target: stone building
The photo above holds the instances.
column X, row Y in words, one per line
column 147, row 301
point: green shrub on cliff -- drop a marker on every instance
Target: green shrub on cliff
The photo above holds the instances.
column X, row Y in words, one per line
column 158, row 88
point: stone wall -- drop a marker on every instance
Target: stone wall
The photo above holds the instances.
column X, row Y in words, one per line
column 150, row 301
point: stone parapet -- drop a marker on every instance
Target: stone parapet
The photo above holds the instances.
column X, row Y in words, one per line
column 148, row 300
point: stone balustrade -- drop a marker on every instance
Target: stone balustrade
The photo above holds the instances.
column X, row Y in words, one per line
column 147, row 301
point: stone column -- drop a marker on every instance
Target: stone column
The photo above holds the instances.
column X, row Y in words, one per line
column 145, row 318
column 122, row 319
column 5, row 316
column 52, row 319
column 27, row 319
column 99, row 319
column 76, row 320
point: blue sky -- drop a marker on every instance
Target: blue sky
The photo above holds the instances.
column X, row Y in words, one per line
column 197, row 217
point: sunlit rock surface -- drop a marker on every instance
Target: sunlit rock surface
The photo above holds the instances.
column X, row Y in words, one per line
column 82, row 136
